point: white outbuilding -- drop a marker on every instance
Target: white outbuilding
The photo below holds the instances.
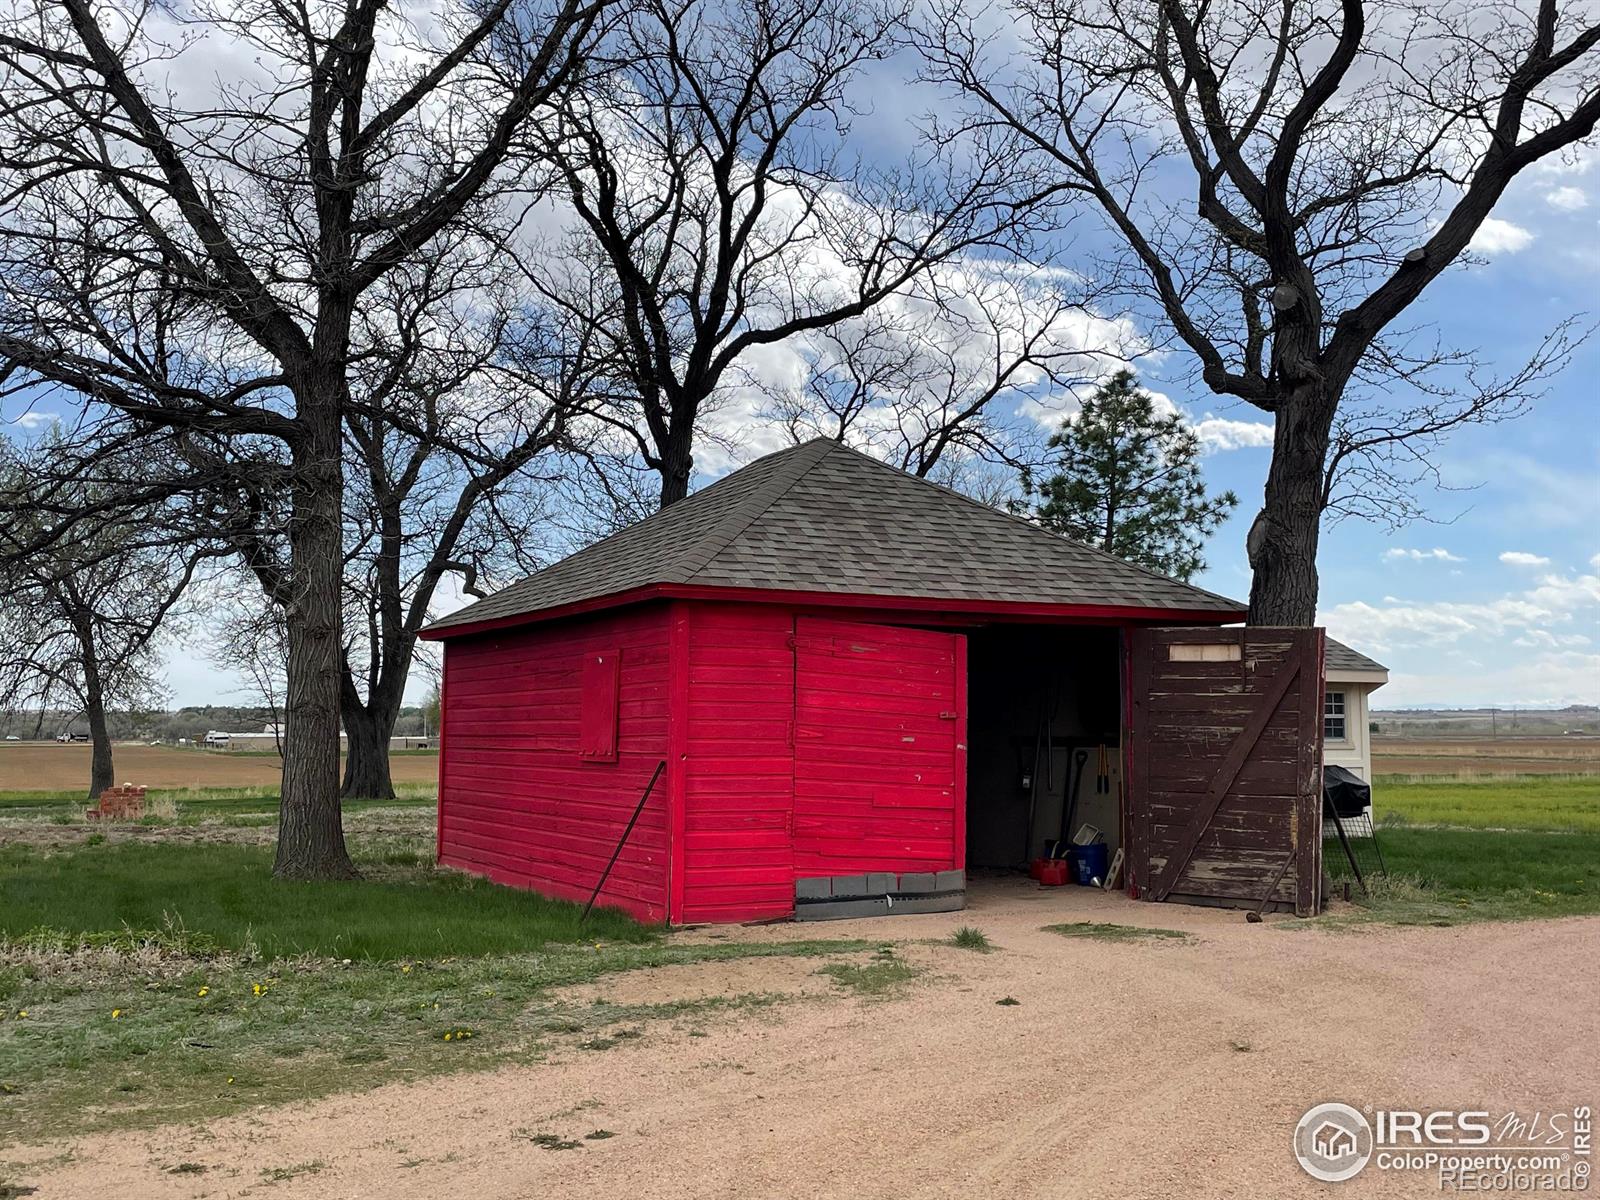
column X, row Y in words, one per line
column 1350, row 678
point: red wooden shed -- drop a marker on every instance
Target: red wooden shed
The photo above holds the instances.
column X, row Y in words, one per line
column 862, row 686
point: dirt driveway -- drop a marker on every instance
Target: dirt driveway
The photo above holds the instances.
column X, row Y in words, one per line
column 1129, row 1069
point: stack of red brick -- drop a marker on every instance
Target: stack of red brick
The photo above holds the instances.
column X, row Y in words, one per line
column 125, row 803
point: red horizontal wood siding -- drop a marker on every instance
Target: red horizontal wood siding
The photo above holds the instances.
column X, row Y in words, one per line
column 738, row 780
column 880, row 771
column 881, row 803
column 518, row 801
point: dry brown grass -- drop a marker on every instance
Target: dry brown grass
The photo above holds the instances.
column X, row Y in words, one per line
column 48, row 766
column 1486, row 756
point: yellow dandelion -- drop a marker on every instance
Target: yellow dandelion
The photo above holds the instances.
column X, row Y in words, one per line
column 205, row 991
column 230, row 1078
column 116, row 1013
column 22, row 1014
column 447, row 1037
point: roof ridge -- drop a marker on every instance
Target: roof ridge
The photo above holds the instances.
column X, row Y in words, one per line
column 1027, row 524
column 748, row 511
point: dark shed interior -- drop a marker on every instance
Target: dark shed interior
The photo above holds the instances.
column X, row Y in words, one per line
column 1043, row 733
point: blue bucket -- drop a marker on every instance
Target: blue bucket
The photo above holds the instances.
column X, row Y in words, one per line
column 1090, row 863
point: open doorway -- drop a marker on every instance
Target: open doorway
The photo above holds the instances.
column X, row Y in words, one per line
column 1044, row 720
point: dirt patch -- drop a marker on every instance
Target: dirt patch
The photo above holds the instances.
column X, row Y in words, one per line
column 1123, row 1068
column 705, row 980
column 49, row 766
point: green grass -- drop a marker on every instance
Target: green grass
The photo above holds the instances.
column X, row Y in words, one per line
column 1102, row 931
column 278, row 1032
column 149, row 982
column 1450, row 876
column 969, row 938
column 1476, row 849
column 884, row 975
column 227, row 894
column 1517, row 802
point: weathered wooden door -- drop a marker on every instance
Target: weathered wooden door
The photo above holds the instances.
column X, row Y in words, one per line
column 1225, row 793
column 880, row 754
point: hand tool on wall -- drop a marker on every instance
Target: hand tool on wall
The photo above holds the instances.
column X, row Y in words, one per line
column 1254, row 915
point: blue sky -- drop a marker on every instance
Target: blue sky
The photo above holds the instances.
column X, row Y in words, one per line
column 1497, row 601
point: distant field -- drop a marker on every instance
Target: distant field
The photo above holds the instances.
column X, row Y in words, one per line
column 1485, row 756
column 47, row 767
column 1541, row 802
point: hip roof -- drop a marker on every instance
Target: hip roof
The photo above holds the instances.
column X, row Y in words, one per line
column 823, row 518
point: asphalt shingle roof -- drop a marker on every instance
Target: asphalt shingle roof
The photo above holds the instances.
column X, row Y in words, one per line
column 1339, row 657
column 821, row 517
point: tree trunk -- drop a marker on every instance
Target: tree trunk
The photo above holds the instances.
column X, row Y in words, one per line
column 101, row 772
column 1283, row 541
column 677, row 461
column 310, row 832
column 366, row 766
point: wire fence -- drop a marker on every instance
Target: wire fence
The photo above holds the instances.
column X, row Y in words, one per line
column 1350, row 845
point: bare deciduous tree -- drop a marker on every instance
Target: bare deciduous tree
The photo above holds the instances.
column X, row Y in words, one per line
column 966, row 371
column 83, row 610
column 716, row 198
column 1338, row 160
column 247, row 636
column 462, row 393
column 196, row 261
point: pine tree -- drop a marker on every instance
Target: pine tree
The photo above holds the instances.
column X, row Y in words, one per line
column 1127, row 479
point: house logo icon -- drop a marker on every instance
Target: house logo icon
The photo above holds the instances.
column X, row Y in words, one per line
column 1333, row 1142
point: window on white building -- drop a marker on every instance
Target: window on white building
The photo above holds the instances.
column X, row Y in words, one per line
column 1333, row 727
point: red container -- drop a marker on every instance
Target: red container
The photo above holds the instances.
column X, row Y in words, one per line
column 1053, row 873
column 1036, row 867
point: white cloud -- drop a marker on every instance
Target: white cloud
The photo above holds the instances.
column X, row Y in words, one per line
column 1495, row 236
column 36, row 420
column 918, row 361
column 1521, row 558
column 1216, row 434
column 1219, row 433
column 1567, row 199
column 1543, row 639
column 1574, row 160
column 1437, row 554
column 1528, row 677
column 1393, row 623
